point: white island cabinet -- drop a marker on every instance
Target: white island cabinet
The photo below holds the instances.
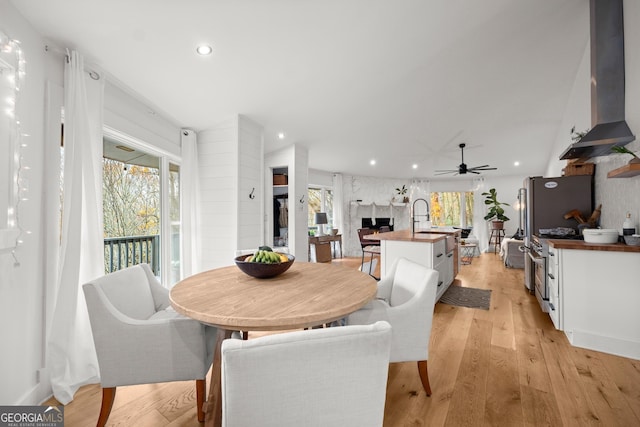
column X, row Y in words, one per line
column 428, row 249
column 595, row 296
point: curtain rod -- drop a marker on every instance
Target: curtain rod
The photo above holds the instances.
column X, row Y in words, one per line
column 67, row 56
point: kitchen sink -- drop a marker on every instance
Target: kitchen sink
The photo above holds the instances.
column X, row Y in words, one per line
column 450, row 242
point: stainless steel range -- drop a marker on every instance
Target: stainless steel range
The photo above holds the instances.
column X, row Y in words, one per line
column 546, row 201
column 536, row 265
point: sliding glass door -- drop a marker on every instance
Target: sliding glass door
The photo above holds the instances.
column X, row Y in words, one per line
column 141, row 203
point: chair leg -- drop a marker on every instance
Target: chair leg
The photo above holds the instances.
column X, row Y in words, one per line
column 201, row 387
column 108, row 396
column 424, row 376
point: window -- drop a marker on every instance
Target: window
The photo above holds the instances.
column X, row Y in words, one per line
column 452, row 209
column 142, row 209
column 131, row 207
column 320, row 200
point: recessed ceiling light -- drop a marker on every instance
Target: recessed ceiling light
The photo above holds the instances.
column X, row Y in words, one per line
column 204, row 49
column 281, row 135
column 415, row 166
column 372, row 162
column 516, row 163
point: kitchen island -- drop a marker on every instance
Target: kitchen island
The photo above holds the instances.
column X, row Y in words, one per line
column 594, row 291
column 434, row 248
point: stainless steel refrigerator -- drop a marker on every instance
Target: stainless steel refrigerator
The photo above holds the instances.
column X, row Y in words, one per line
column 547, row 200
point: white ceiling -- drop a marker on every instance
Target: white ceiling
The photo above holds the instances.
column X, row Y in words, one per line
column 399, row 81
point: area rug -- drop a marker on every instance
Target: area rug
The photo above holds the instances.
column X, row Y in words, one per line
column 467, row 297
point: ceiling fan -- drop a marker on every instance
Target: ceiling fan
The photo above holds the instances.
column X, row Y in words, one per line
column 463, row 169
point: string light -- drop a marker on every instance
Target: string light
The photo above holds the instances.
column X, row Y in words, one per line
column 19, row 184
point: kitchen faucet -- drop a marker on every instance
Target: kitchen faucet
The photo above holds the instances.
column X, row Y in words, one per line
column 413, row 214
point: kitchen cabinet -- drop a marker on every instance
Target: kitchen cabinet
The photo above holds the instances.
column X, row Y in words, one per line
column 595, row 294
column 553, row 282
column 425, row 249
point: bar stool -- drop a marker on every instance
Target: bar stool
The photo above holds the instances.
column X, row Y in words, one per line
column 368, row 247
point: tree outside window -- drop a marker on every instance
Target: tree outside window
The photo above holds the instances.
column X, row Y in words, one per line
column 320, row 200
column 452, row 209
column 131, row 199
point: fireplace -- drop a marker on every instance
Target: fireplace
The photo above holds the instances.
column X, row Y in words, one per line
column 368, row 223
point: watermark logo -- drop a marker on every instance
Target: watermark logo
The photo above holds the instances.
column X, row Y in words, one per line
column 31, row 416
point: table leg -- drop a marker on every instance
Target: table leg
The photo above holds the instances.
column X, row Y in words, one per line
column 213, row 411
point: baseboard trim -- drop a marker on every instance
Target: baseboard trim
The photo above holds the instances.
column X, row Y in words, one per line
column 611, row 345
column 37, row 395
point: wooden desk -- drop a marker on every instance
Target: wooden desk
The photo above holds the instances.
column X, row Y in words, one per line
column 313, row 240
column 306, row 295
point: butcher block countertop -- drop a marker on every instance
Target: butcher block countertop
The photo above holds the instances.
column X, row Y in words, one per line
column 583, row 246
column 426, row 236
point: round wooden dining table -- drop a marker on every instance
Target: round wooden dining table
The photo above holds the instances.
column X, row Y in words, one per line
column 306, row 295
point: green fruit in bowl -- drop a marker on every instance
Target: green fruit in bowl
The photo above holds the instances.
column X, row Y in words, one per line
column 264, row 257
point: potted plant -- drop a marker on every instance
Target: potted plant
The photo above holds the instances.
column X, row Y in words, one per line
column 577, row 136
column 496, row 210
column 402, row 191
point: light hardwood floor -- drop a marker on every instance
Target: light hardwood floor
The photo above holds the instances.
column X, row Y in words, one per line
column 505, row 366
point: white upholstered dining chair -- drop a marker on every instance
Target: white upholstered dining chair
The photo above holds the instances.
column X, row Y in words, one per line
column 405, row 299
column 140, row 339
column 332, row 377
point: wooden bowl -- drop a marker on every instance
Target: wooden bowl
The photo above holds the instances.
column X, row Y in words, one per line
column 261, row 270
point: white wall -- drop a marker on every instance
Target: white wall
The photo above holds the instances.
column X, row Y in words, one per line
column 320, row 178
column 230, row 165
column 21, row 289
column 617, row 195
column 250, row 168
column 125, row 113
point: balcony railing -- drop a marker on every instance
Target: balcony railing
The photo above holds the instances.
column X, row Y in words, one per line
column 122, row 252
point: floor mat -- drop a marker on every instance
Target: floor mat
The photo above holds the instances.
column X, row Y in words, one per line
column 467, row 297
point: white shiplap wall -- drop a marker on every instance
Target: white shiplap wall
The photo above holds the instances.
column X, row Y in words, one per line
column 250, row 165
column 230, row 159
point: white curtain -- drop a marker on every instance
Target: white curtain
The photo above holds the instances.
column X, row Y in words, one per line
column 71, row 354
column 479, row 210
column 338, row 203
column 190, row 204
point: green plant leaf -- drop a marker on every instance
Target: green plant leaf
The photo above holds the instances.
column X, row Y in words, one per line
column 623, row 150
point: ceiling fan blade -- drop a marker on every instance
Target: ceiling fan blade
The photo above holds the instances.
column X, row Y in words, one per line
column 484, row 168
column 472, row 171
column 445, row 172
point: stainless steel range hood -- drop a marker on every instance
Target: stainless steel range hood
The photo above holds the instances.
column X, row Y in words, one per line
column 608, row 126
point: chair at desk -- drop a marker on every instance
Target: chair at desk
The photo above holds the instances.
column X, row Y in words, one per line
column 368, row 247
